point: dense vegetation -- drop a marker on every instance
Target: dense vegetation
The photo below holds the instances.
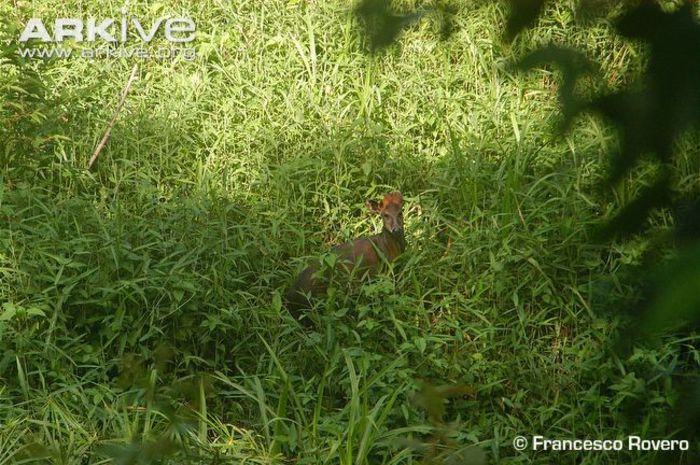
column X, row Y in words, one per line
column 141, row 315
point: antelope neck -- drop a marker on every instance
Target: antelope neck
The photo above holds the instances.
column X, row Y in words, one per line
column 396, row 237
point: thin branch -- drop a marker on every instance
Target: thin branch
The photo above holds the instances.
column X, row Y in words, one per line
column 108, row 132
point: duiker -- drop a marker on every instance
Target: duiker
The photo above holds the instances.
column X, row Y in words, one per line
column 360, row 257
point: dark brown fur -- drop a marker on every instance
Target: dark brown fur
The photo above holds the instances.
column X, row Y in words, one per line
column 360, row 257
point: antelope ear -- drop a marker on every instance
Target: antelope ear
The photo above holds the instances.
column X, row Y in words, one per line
column 394, row 197
column 372, row 205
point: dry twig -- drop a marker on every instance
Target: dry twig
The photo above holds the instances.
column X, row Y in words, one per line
column 108, row 132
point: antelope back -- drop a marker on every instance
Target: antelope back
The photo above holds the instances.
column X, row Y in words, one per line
column 359, row 257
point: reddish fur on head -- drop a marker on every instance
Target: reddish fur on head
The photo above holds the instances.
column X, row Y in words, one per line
column 390, row 210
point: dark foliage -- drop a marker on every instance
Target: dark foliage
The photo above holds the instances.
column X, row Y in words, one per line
column 651, row 116
column 383, row 25
column 523, row 13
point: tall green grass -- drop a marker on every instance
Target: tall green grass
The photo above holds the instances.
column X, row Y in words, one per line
column 141, row 315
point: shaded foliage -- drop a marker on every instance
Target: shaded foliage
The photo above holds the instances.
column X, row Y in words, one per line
column 651, row 115
column 159, row 246
column 574, row 66
column 523, row 13
column 383, row 25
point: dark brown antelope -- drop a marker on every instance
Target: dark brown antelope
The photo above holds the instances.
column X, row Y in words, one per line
column 360, row 257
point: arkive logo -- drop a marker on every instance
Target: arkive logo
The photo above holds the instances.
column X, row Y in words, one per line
column 175, row 30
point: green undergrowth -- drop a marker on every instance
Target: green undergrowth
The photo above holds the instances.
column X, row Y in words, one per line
column 141, row 316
